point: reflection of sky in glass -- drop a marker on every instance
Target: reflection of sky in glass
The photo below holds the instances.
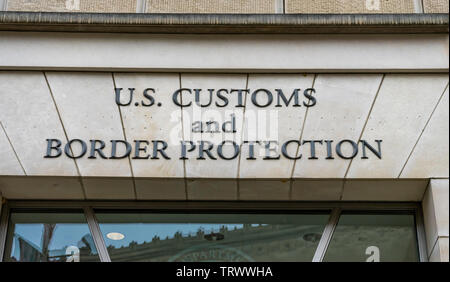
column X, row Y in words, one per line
column 141, row 228
column 64, row 234
column 144, row 232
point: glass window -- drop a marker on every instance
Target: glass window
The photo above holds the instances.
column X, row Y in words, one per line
column 374, row 237
column 211, row 237
column 49, row 237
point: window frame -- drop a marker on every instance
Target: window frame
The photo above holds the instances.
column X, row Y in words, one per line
column 335, row 208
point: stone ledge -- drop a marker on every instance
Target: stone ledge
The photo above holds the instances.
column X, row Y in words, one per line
column 213, row 189
column 224, row 23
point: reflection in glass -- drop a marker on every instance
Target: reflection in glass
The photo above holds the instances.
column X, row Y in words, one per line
column 49, row 237
column 373, row 238
column 211, row 237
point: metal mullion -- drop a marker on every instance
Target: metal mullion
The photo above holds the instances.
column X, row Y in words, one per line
column 327, row 235
column 421, row 235
column 97, row 235
column 3, row 229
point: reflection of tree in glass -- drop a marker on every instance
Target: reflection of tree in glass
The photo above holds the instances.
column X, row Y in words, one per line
column 178, row 235
column 200, row 233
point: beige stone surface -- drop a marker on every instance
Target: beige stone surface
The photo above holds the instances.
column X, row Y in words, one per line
column 211, row 6
column 316, row 190
column 9, row 164
column 99, row 6
column 41, row 187
column 152, row 123
column 212, row 189
column 210, row 168
column 398, row 117
column 430, row 156
column 436, row 211
column 435, row 6
column 384, row 190
column 237, row 53
column 440, row 190
column 272, row 123
column 440, row 251
column 29, row 117
column 88, row 111
column 349, row 6
column 109, row 188
column 343, row 105
column 160, row 189
column 264, row 190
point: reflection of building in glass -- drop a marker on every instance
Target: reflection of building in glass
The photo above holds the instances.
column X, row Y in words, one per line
column 250, row 243
column 30, row 252
column 259, row 243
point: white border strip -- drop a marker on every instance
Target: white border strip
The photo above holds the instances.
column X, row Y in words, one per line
column 141, row 6
column 418, row 6
column 3, row 5
column 279, row 6
column 224, row 53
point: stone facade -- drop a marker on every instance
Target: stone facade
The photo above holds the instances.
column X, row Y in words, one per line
column 211, row 6
column 435, row 6
column 349, row 6
column 34, row 104
column 230, row 6
column 103, row 6
column 389, row 87
column 435, row 210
